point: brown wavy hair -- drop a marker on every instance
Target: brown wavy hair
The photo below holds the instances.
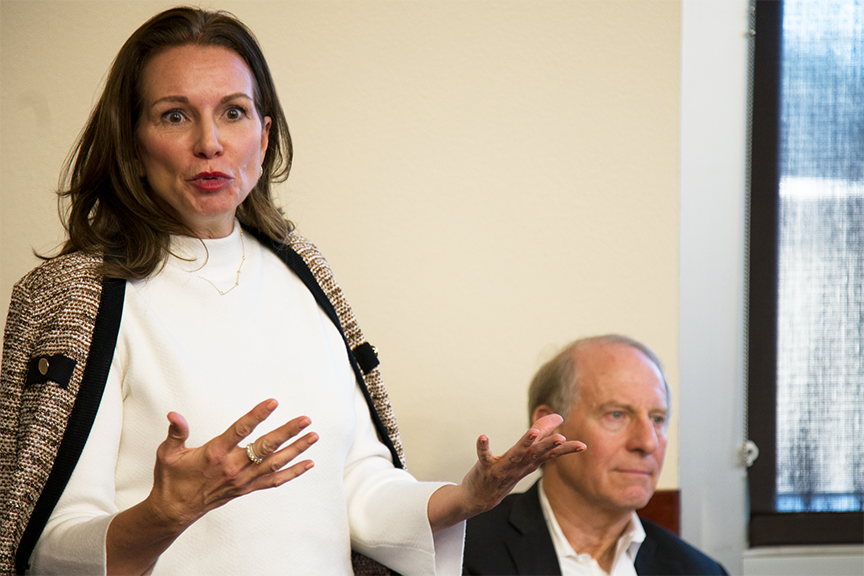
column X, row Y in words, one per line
column 108, row 207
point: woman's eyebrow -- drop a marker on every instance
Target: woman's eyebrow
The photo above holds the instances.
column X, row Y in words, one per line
column 180, row 99
column 234, row 96
column 185, row 100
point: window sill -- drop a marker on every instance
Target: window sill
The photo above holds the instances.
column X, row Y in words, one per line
column 840, row 559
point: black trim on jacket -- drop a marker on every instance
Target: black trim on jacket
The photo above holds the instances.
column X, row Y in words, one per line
column 299, row 267
column 81, row 420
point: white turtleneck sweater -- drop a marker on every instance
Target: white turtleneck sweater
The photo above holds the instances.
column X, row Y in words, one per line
column 182, row 347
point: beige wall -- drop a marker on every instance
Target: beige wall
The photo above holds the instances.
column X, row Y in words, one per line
column 489, row 180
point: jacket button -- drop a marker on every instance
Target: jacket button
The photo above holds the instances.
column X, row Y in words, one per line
column 43, row 366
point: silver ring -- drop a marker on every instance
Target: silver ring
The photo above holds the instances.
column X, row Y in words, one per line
column 252, row 456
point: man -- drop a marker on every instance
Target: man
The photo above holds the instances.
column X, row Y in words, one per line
column 580, row 518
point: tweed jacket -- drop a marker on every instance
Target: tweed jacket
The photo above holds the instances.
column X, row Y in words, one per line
column 58, row 345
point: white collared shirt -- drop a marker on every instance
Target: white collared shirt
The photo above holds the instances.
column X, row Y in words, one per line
column 573, row 564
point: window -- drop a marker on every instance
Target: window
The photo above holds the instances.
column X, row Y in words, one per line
column 806, row 301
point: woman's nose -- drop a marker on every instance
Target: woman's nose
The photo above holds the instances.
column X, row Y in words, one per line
column 208, row 144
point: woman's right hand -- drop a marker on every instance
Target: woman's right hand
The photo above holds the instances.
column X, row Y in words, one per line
column 189, row 482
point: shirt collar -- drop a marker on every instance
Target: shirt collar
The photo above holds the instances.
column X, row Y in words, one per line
column 628, row 543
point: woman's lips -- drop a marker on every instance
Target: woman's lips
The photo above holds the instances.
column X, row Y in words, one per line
column 210, row 181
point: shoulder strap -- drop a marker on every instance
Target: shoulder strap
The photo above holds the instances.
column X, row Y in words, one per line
column 363, row 358
column 83, row 414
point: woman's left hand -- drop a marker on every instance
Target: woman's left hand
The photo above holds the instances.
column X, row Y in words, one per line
column 493, row 477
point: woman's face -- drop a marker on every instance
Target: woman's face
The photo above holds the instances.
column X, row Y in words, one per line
column 201, row 142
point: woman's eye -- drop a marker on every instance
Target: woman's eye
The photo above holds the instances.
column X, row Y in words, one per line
column 234, row 113
column 173, row 117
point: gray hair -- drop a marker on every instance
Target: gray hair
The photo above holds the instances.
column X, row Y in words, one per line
column 556, row 384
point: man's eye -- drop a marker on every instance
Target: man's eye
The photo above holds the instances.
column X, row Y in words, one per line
column 617, row 414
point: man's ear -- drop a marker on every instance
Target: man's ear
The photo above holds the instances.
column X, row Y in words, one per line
column 540, row 412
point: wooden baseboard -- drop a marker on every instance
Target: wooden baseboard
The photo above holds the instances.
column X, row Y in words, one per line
column 664, row 509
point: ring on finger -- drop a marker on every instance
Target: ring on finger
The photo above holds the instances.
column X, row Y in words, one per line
column 250, row 452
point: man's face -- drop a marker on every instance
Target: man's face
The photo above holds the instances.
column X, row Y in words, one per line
column 620, row 414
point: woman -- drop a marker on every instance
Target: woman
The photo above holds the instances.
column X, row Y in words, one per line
column 182, row 290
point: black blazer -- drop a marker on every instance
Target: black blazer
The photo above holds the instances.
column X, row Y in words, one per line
column 512, row 538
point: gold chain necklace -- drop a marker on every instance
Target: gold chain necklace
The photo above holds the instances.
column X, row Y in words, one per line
column 237, row 281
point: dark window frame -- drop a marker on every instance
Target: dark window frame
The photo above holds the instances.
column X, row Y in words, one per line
column 767, row 527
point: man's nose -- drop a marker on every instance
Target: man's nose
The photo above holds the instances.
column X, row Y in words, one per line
column 644, row 435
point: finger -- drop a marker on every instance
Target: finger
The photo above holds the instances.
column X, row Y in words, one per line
column 270, row 442
column 535, row 449
column 547, row 424
column 517, row 454
column 577, row 446
column 537, row 433
column 484, row 453
column 264, row 481
column 178, row 431
column 555, row 447
column 280, row 459
column 281, row 477
column 174, row 444
column 247, row 423
column 523, row 447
